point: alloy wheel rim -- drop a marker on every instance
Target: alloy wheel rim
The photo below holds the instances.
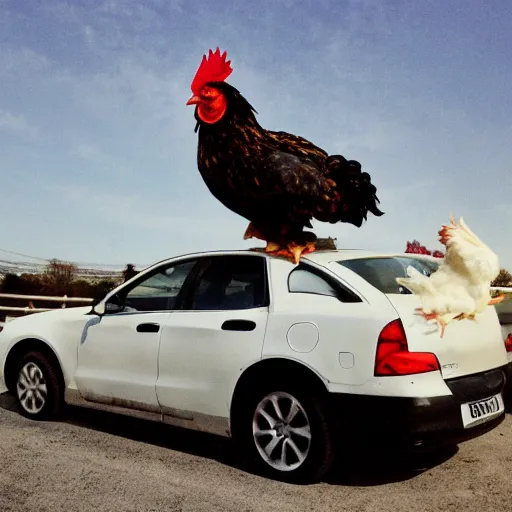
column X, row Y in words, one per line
column 281, row 431
column 31, row 388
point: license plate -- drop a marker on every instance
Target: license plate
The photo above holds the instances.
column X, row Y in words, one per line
column 474, row 413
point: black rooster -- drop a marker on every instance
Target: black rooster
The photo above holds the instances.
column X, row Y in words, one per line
column 276, row 180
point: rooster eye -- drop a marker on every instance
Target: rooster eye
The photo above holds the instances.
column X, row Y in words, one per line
column 209, row 93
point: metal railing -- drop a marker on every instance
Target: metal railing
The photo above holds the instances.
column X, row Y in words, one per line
column 503, row 289
column 30, row 308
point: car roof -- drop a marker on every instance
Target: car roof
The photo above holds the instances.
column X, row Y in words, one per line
column 326, row 256
column 320, row 257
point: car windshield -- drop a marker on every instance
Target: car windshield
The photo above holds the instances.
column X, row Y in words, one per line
column 382, row 272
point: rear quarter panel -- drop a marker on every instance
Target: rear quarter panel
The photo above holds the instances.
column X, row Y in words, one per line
column 344, row 355
column 467, row 347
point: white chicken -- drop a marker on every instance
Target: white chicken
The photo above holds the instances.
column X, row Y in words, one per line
column 460, row 288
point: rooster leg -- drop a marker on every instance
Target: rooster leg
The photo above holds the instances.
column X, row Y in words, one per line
column 294, row 251
column 426, row 316
column 253, row 232
column 443, row 325
column 496, row 300
column 434, row 316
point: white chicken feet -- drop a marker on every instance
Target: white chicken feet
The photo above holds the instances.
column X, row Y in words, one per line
column 434, row 316
column 443, row 321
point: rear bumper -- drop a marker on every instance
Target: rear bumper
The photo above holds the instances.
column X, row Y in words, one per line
column 508, row 388
column 419, row 423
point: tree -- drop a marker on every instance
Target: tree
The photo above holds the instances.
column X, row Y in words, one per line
column 129, row 272
column 60, row 272
column 504, row 278
column 415, row 247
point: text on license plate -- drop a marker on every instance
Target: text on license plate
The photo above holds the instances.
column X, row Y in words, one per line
column 475, row 413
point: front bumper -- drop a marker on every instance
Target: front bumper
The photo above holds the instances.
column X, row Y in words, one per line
column 419, row 423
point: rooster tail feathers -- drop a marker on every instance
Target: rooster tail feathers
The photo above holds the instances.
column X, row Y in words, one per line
column 416, row 282
column 357, row 192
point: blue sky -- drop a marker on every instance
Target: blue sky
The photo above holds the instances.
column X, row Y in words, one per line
column 98, row 150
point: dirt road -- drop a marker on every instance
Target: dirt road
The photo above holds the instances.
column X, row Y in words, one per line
column 98, row 462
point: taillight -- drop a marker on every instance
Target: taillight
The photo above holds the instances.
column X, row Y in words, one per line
column 508, row 343
column 393, row 356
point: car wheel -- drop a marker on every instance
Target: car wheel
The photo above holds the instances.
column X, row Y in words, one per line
column 37, row 390
column 284, row 432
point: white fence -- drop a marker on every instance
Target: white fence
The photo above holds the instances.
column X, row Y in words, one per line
column 502, row 289
column 30, row 308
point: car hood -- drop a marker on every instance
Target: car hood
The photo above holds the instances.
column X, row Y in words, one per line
column 46, row 316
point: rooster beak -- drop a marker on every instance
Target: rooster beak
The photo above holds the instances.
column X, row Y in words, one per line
column 194, row 100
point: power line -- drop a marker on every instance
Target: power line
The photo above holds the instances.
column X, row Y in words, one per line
column 23, row 255
column 80, row 264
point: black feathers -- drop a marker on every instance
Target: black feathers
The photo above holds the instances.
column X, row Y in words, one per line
column 278, row 181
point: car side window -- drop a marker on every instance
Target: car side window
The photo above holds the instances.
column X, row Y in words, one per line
column 230, row 283
column 159, row 291
column 311, row 280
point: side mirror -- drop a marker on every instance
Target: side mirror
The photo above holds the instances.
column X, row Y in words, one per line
column 113, row 305
column 99, row 309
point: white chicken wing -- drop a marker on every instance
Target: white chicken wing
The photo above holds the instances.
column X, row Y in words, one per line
column 460, row 288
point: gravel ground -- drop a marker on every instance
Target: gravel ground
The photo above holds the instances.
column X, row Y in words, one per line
column 99, row 462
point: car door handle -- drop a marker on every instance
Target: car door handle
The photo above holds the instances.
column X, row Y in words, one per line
column 238, row 325
column 148, row 328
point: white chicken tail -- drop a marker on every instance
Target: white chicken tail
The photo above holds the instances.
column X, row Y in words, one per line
column 416, row 282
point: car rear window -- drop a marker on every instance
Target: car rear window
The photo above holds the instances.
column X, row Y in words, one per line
column 382, row 272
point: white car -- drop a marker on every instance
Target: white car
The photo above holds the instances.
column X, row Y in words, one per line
column 289, row 360
column 504, row 311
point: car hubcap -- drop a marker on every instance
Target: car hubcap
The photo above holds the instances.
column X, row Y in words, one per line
column 31, row 387
column 281, row 431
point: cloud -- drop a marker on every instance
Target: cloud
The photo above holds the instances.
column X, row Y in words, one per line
column 100, row 161
column 17, row 125
column 139, row 212
column 89, row 35
column 22, row 59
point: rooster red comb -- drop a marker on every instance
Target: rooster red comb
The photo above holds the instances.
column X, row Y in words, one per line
column 215, row 68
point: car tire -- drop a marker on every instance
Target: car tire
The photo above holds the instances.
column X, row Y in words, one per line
column 259, row 433
column 37, row 387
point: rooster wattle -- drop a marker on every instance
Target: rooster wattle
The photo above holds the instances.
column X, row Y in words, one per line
column 278, row 181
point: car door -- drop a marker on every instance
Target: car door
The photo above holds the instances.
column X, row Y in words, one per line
column 218, row 333
column 118, row 352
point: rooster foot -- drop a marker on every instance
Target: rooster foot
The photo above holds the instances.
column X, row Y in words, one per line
column 272, row 247
column 496, row 300
column 433, row 316
column 294, row 251
column 465, row 316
